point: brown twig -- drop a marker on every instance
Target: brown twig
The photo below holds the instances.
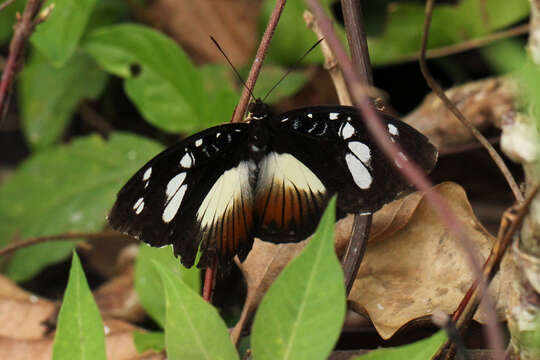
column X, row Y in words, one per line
column 210, row 273
column 94, row 119
column 494, row 333
column 440, row 93
column 410, row 171
column 24, row 27
column 5, row 4
column 60, row 237
column 258, row 61
column 467, row 45
column 511, row 222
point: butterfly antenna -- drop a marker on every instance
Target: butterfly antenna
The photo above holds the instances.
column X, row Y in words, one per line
column 232, row 66
column 292, row 67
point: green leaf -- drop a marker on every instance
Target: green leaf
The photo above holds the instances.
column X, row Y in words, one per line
column 193, row 328
column 58, row 37
column 49, row 96
column 286, row 49
column 7, row 20
column 301, row 315
column 149, row 341
column 403, row 32
column 148, row 280
column 159, row 77
column 80, row 333
column 420, row 350
column 68, row 188
column 106, row 13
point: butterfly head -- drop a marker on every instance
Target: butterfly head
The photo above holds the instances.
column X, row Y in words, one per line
column 258, row 110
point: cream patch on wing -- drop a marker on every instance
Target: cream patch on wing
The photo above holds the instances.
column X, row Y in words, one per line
column 231, row 188
column 287, row 191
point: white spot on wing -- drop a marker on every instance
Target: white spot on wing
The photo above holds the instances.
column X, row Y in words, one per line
column 360, row 174
column 310, row 115
column 139, row 206
column 174, row 184
column 361, row 151
column 392, row 129
column 218, row 134
column 347, row 130
column 285, row 119
column 174, row 204
column 288, row 170
column 186, row 162
column 147, row 174
column 232, row 186
column 198, row 142
column 333, row 116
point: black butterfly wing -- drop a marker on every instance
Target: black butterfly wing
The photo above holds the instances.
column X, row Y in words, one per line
column 198, row 192
column 340, row 156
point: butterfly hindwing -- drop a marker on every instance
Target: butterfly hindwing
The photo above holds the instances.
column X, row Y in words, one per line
column 198, row 191
column 334, row 144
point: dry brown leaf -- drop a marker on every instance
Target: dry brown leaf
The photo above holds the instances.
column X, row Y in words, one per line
column 421, row 266
column 22, row 314
column 233, row 25
column 117, row 298
column 484, row 103
column 119, row 345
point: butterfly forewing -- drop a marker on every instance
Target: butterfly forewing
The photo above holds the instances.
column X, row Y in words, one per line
column 198, row 190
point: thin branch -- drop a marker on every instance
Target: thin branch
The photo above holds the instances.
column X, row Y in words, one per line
column 494, row 332
column 410, row 170
column 467, row 45
column 512, row 220
column 209, row 281
column 258, row 61
column 94, row 119
column 5, row 4
column 440, row 93
column 24, row 27
column 60, row 237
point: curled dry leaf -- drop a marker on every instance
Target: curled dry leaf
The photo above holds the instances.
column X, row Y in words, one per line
column 420, row 266
column 484, row 103
column 234, row 26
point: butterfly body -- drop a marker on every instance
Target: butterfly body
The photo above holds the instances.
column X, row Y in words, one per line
column 270, row 178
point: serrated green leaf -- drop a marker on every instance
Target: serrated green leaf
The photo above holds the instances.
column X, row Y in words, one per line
column 49, row 96
column 149, row 341
column 79, row 334
column 68, row 188
column 166, row 87
column 148, row 280
column 58, row 37
column 301, row 315
column 193, row 328
column 420, row 350
column 7, row 20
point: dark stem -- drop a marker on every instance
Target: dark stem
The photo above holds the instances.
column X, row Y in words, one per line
column 356, row 248
column 354, row 26
column 258, row 61
column 24, row 27
column 356, row 36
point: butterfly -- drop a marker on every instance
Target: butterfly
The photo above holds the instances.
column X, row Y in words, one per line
column 270, row 178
